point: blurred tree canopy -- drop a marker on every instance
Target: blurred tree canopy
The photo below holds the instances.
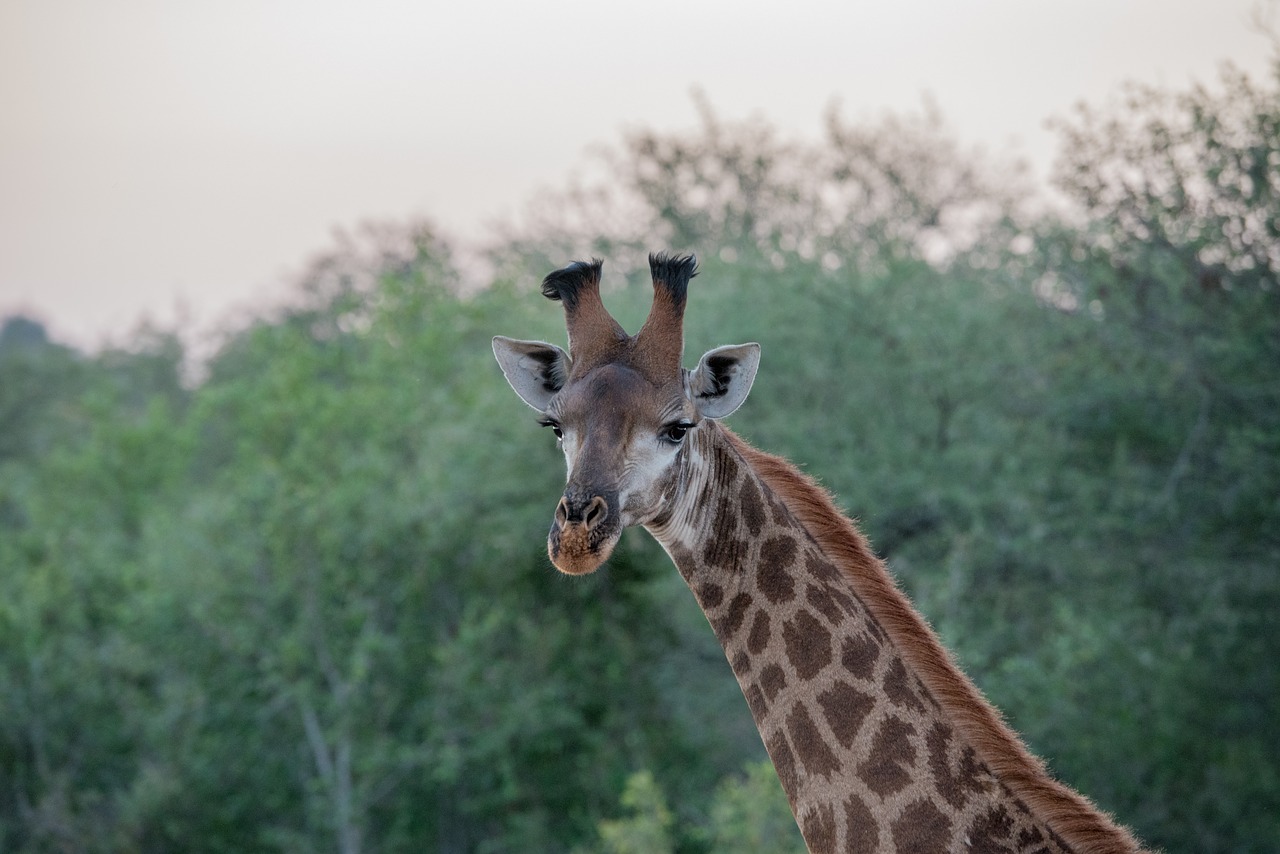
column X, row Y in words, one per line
column 302, row 604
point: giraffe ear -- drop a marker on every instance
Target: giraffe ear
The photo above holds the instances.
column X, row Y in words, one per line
column 722, row 379
column 536, row 370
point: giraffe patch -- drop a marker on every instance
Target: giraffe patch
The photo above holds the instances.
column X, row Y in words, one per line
column 823, row 570
column 859, row 654
column 724, row 550
column 846, row 709
column 814, row 754
column 752, row 507
column 921, row 829
column 825, row 605
column 710, row 595
column 808, row 644
column 1030, row 836
column 888, row 768
column 861, row 833
column 773, row 579
column 842, row 597
column 723, row 465
column 955, row 787
column 755, row 700
column 772, row 680
column 758, row 640
column 898, row 688
column 729, row 624
column 778, row 510
column 819, row 828
column 988, row 829
column 784, row 763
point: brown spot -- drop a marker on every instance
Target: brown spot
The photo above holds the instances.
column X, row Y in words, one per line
column 752, row 507
column 741, row 665
column 758, row 640
column 877, row 631
column 887, row 768
column 1030, row 836
column 823, row 570
column 702, row 506
column 683, row 559
column 988, row 829
column 773, row 578
column 842, row 597
column 861, row 831
column 820, row 599
column 729, row 624
column 724, row 466
column 859, row 654
column 921, row 829
column 819, row 828
column 772, row 680
column 723, row 521
column 812, row 750
column 784, row 765
column 755, row 699
column 725, row 553
column 835, row 583
column 780, row 550
column 956, row 787
column 898, row 688
column 723, row 549
column 846, row 709
column 781, row 515
column 710, row 596
column 808, row 644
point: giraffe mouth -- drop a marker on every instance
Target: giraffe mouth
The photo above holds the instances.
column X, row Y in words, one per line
column 576, row 549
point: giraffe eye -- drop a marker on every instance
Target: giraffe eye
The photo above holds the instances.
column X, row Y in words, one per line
column 554, row 425
column 675, row 433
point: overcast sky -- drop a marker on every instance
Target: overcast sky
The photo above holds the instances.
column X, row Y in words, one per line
column 167, row 156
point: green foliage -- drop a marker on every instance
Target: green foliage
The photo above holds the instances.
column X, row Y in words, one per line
column 305, row 606
column 647, row 829
column 302, row 604
column 867, row 196
column 1180, row 267
column 750, row 815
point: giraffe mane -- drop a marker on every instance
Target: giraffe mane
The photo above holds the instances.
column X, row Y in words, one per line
column 1072, row 816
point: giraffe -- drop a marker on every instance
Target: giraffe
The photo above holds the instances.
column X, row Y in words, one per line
column 880, row 742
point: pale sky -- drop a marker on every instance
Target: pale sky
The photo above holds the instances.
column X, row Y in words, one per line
column 176, row 157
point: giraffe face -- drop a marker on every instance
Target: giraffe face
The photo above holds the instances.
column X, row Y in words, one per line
column 623, row 435
column 622, row 438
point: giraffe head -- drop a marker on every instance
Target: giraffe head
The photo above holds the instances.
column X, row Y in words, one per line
column 621, row 406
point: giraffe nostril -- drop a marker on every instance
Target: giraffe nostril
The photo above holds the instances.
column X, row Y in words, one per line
column 589, row 514
column 596, row 513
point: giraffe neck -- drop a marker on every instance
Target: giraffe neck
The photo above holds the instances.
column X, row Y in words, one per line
column 880, row 743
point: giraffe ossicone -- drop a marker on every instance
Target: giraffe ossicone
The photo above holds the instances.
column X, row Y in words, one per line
column 879, row 740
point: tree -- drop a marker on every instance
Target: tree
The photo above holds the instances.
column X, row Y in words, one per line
column 1172, row 272
column 867, row 195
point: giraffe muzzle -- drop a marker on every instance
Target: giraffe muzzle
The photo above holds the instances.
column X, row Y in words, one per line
column 582, row 534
